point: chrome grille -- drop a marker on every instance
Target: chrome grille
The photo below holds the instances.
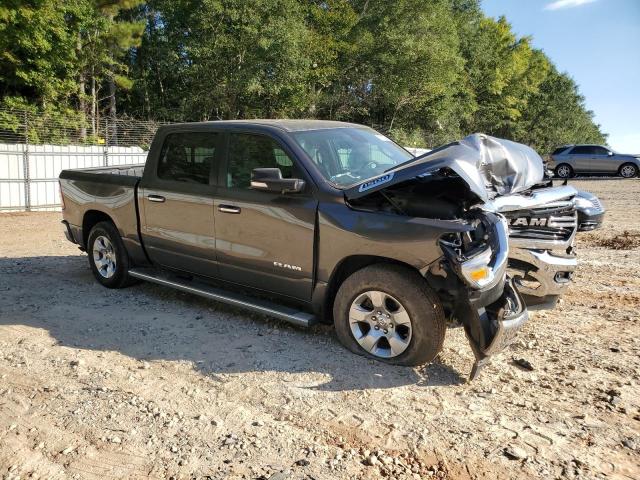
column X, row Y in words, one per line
column 554, row 222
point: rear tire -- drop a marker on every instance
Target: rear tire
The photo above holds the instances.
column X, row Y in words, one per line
column 108, row 258
column 564, row 170
column 389, row 313
column 628, row 170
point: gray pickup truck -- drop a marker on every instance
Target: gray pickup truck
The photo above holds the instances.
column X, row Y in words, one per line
column 316, row 221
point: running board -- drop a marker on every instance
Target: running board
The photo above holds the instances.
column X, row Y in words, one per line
column 265, row 307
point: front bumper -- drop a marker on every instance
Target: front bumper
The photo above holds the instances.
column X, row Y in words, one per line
column 590, row 219
column 590, row 211
column 491, row 320
column 494, row 313
column 541, row 275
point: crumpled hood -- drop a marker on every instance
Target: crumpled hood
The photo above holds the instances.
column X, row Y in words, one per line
column 490, row 166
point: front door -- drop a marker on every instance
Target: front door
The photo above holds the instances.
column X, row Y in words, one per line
column 264, row 240
column 177, row 223
column 602, row 161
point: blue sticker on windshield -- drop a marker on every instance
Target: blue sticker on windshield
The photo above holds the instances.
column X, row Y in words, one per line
column 374, row 183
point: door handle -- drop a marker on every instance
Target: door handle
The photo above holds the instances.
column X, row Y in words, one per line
column 156, row 198
column 228, row 209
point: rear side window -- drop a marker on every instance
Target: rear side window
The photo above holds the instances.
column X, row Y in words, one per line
column 559, row 150
column 248, row 151
column 582, row 150
column 188, row 157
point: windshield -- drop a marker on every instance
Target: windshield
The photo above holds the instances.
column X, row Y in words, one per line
column 345, row 156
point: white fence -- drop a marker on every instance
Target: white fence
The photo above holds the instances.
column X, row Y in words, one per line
column 29, row 173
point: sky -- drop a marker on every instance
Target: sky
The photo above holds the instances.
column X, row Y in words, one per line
column 597, row 42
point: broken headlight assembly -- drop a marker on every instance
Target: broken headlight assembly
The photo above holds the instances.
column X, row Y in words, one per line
column 479, row 254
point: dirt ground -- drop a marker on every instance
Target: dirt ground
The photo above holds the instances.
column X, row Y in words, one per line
column 147, row 382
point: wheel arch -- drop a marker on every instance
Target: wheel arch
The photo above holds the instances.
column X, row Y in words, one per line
column 90, row 219
column 565, row 163
column 346, row 268
column 635, row 165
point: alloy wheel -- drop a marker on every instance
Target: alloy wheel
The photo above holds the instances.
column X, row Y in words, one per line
column 628, row 171
column 380, row 324
column 104, row 257
column 563, row 171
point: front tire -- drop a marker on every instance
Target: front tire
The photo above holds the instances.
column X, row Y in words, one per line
column 389, row 313
column 107, row 256
column 628, row 170
column 564, row 170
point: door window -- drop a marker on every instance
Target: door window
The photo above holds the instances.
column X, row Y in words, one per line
column 187, row 157
column 600, row 151
column 248, row 151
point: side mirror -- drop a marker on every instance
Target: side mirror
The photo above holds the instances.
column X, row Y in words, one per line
column 610, row 153
column 270, row 180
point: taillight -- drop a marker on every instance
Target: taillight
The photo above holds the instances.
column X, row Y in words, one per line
column 61, row 197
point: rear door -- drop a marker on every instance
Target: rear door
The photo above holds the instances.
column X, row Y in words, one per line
column 264, row 240
column 582, row 158
column 176, row 198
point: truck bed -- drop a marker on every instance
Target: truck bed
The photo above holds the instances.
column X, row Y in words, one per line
column 111, row 192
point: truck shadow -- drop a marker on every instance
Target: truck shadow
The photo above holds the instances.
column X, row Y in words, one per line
column 149, row 322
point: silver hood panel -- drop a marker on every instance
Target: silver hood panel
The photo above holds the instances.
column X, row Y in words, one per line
column 494, row 166
column 490, row 166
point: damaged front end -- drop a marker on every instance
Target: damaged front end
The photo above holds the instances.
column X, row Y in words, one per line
column 486, row 300
column 459, row 182
column 542, row 230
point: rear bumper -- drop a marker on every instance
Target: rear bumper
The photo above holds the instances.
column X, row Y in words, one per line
column 73, row 233
column 541, row 275
column 67, row 232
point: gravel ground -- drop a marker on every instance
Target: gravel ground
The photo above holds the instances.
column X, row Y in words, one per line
column 150, row 383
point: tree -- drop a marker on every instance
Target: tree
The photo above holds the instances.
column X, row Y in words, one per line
column 235, row 59
column 103, row 39
column 396, row 65
column 556, row 115
column 424, row 71
column 37, row 53
column 330, row 25
column 503, row 73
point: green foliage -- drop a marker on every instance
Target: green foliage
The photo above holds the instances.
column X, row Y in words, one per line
column 52, row 124
column 37, row 51
column 405, row 70
column 557, row 116
column 426, row 71
column 247, row 59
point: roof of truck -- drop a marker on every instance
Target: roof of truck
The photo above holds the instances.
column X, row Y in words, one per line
column 289, row 125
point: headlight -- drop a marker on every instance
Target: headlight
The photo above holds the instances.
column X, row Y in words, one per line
column 477, row 270
column 479, row 256
column 488, row 267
